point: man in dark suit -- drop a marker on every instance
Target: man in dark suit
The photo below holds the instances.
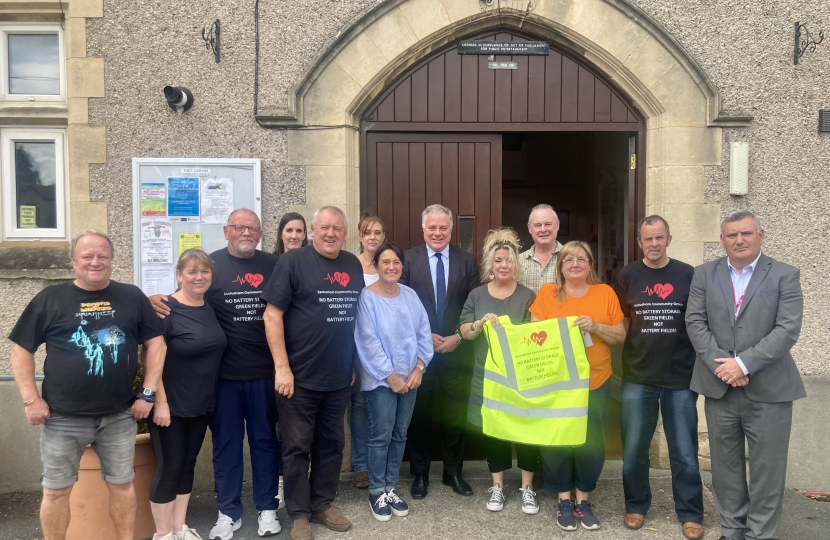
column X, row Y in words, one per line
column 743, row 317
column 443, row 276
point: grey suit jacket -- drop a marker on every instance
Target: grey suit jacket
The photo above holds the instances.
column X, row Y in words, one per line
column 766, row 328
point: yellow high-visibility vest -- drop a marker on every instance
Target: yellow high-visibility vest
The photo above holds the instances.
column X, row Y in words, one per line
column 536, row 383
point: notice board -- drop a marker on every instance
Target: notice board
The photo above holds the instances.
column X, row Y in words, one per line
column 184, row 203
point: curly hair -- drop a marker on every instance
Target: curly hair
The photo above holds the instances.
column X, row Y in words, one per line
column 504, row 238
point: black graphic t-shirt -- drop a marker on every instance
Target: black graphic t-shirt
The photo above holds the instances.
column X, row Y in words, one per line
column 195, row 344
column 657, row 349
column 92, row 340
column 234, row 295
column 319, row 296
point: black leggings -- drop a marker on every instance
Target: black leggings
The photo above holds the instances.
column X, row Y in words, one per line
column 176, row 447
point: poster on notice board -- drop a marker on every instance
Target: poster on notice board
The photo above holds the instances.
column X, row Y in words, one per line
column 183, row 198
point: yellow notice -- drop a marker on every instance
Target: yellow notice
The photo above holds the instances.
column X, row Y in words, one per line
column 189, row 241
column 28, row 217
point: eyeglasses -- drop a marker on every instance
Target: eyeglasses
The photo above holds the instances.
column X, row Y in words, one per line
column 241, row 229
column 570, row 262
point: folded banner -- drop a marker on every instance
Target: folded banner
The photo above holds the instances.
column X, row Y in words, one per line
column 536, row 383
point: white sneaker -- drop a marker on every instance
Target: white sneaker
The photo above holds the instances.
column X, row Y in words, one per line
column 281, row 497
column 187, row 534
column 529, row 504
column 224, row 528
column 497, row 498
column 268, row 523
column 168, row 536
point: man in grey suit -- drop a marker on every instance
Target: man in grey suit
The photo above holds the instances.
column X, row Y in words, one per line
column 743, row 317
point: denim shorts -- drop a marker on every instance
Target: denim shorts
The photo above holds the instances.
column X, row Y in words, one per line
column 64, row 438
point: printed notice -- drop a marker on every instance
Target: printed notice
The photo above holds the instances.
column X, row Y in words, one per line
column 189, row 241
column 183, row 198
column 156, row 241
column 153, row 199
column 201, row 172
column 217, row 200
column 28, row 217
column 158, row 280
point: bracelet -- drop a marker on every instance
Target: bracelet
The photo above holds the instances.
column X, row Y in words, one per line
column 28, row 402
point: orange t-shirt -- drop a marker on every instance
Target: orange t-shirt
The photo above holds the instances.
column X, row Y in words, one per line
column 601, row 304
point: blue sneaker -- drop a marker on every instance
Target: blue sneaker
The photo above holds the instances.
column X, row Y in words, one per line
column 398, row 506
column 586, row 516
column 380, row 508
column 565, row 516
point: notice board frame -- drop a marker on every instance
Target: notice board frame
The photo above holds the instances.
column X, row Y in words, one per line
column 137, row 163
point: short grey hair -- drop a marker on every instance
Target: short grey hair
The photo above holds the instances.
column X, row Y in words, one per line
column 542, row 207
column 435, row 208
column 90, row 232
column 738, row 215
column 333, row 210
column 651, row 220
column 243, row 211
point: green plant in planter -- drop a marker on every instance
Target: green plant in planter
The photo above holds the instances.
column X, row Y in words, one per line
column 138, row 386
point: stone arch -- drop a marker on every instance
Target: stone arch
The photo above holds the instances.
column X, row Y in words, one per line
column 680, row 104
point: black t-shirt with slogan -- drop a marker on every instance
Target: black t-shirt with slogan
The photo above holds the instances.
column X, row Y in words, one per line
column 234, row 295
column 92, row 340
column 657, row 349
column 319, row 296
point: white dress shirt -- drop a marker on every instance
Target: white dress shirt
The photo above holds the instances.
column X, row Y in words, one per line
column 433, row 266
column 739, row 284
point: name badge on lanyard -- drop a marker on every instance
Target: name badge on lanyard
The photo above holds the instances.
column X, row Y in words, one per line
column 739, row 301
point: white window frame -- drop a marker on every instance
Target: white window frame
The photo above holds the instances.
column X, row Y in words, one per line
column 31, row 28
column 9, row 136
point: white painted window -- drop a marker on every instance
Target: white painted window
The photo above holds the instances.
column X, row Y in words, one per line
column 33, row 60
column 34, row 179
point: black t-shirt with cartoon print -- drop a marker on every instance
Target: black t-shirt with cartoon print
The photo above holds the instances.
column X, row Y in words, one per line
column 92, row 340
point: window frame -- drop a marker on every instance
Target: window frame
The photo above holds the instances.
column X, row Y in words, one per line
column 9, row 136
column 31, row 28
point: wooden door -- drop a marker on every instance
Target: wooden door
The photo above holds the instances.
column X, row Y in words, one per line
column 406, row 172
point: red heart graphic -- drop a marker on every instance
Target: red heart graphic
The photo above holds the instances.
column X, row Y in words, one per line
column 663, row 291
column 539, row 337
column 254, row 279
column 342, row 278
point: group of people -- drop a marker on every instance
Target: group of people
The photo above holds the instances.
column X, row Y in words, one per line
column 282, row 344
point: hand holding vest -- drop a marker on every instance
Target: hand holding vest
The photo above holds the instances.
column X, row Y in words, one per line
column 536, row 383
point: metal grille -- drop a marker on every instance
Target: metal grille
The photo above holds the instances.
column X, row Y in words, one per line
column 824, row 121
column 466, row 233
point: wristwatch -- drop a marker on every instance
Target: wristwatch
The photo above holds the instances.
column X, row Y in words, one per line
column 148, row 392
column 422, row 368
column 458, row 333
column 473, row 327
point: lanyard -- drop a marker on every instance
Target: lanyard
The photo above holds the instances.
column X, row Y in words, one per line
column 740, row 300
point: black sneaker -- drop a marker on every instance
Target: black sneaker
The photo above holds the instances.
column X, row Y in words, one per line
column 398, row 505
column 565, row 517
column 586, row 516
column 380, row 508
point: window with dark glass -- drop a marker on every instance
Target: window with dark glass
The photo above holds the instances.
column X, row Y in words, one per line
column 34, row 64
column 35, row 182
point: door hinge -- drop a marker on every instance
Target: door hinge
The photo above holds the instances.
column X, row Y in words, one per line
column 633, row 161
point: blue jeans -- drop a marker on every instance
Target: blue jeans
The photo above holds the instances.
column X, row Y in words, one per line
column 359, row 426
column 638, row 417
column 389, row 416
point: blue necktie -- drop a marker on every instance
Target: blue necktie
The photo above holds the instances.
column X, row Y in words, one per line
column 440, row 291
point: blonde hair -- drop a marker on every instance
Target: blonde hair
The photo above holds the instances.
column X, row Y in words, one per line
column 504, row 238
column 572, row 249
column 195, row 256
column 366, row 219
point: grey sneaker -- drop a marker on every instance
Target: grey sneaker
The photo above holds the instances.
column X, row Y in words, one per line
column 529, row 504
column 225, row 527
column 497, row 498
column 565, row 517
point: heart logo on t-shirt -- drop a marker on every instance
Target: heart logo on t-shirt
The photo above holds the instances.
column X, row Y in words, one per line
column 663, row 291
column 539, row 337
column 342, row 278
column 254, row 279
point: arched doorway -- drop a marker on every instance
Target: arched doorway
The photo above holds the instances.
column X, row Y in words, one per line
column 490, row 144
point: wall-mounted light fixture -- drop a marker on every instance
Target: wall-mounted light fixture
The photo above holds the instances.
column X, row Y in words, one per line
column 804, row 41
column 738, row 168
column 178, row 98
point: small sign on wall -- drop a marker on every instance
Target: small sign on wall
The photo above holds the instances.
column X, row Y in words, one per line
column 28, row 217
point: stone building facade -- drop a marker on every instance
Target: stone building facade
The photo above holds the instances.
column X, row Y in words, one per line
column 297, row 79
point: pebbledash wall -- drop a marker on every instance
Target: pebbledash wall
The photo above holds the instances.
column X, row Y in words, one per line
column 703, row 74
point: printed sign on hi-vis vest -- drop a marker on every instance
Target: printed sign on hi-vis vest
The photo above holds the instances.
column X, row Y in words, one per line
column 536, row 383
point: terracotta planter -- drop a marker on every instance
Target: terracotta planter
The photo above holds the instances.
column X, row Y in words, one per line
column 90, row 498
